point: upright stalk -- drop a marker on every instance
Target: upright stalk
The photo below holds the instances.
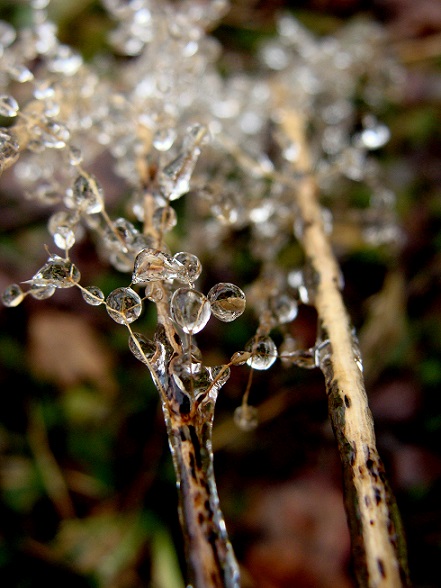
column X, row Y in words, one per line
column 378, row 545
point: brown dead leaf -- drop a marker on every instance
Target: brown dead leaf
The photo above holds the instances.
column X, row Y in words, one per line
column 67, row 351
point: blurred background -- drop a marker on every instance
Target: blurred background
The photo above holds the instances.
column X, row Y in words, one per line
column 87, row 489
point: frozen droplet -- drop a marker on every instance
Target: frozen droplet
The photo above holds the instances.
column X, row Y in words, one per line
column 124, row 305
column 191, row 263
column 322, row 353
column 87, row 194
column 190, row 309
column 55, row 135
column 227, row 301
column 93, row 295
column 142, row 348
column 175, row 177
column 240, row 357
column 20, row 73
column 8, row 106
column 283, row 308
column 65, row 60
column 57, row 272
column 154, row 265
column 164, row 218
column 9, row 148
column 13, row 295
column 263, row 352
column 164, row 138
column 246, row 417
column 120, row 236
column 7, row 34
column 75, row 155
column 304, row 358
column 375, row 134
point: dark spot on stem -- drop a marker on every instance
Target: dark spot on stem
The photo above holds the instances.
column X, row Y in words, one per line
column 381, row 568
column 377, row 496
column 347, row 401
column 197, row 446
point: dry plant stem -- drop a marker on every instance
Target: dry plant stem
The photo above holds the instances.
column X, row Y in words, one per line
column 378, row 546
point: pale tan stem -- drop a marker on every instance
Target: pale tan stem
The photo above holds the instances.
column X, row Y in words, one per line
column 376, row 536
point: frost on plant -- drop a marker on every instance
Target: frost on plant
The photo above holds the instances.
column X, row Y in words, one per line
column 175, row 128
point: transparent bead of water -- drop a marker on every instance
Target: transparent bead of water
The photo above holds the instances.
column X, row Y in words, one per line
column 154, row 292
column 8, row 106
column 283, row 308
column 55, row 135
column 142, row 348
column 240, row 357
column 121, row 235
column 58, row 272
column 40, row 292
column 191, row 263
column 124, row 305
column 246, row 417
column 190, row 309
column 7, row 34
column 93, row 295
column 175, row 177
column 227, row 301
column 87, row 194
column 75, row 155
column 165, row 218
column 13, row 295
column 61, row 226
column 263, row 352
column 20, row 73
column 154, row 265
column 9, row 148
column 164, row 138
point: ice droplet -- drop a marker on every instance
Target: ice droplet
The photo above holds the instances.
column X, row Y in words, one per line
column 93, row 295
column 57, row 272
column 87, row 194
column 12, row 296
column 283, row 308
column 263, row 352
column 124, row 305
column 153, row 265
column 227, row 301
column 246, row 417
column 165, row 218
column 8, row 106
column 190, row 309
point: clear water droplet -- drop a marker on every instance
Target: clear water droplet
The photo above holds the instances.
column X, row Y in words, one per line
column 283, row 308
column 8, row 106
column 263, row 352
column 61, row 226
column 190, row 309
column 246, row 417
column 41, row 292
column 93, row 295
column 155, row 265
column 12, row 296
column 154, row 292
column 191, row 263
column 227, row 301
column 57, row 272
column 240, row 357
column 164, row 138
column 87, row 194
column 165, row 218
column 124, row 305
column 142, row 348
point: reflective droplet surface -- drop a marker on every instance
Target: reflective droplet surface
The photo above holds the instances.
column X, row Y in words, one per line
column 12, row 295
column 142, row 348
column 191, row 263
column 57, row 272
column 93, row 295
column 124, row 305
column 87, row 194
column 227, row 301
column 164, row 218
column 154, row 265
column 8, row 106
column 246, row 417
column 283, row 308
column 190, row 309
column 263, row 352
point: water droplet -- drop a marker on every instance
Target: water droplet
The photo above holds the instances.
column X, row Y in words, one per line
column 154, row 265
column 61, row 226
column 20, row 73
column 55, row 135
column 40, row 292
column 8, row 106
column 227, row 301
column 124, row 305
column 263, row 352
column 13, row 295
column 93, row 295
column 164, row 218
column 142, row 348
column 154, row 292
column 121, row 236
column 246, row 417
column 304, row 358
column 191, row 263
column 283, row 308
column 164, row 138
column 57, row 272
column 87, row 194
column 75, row 155
column 190, row 309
